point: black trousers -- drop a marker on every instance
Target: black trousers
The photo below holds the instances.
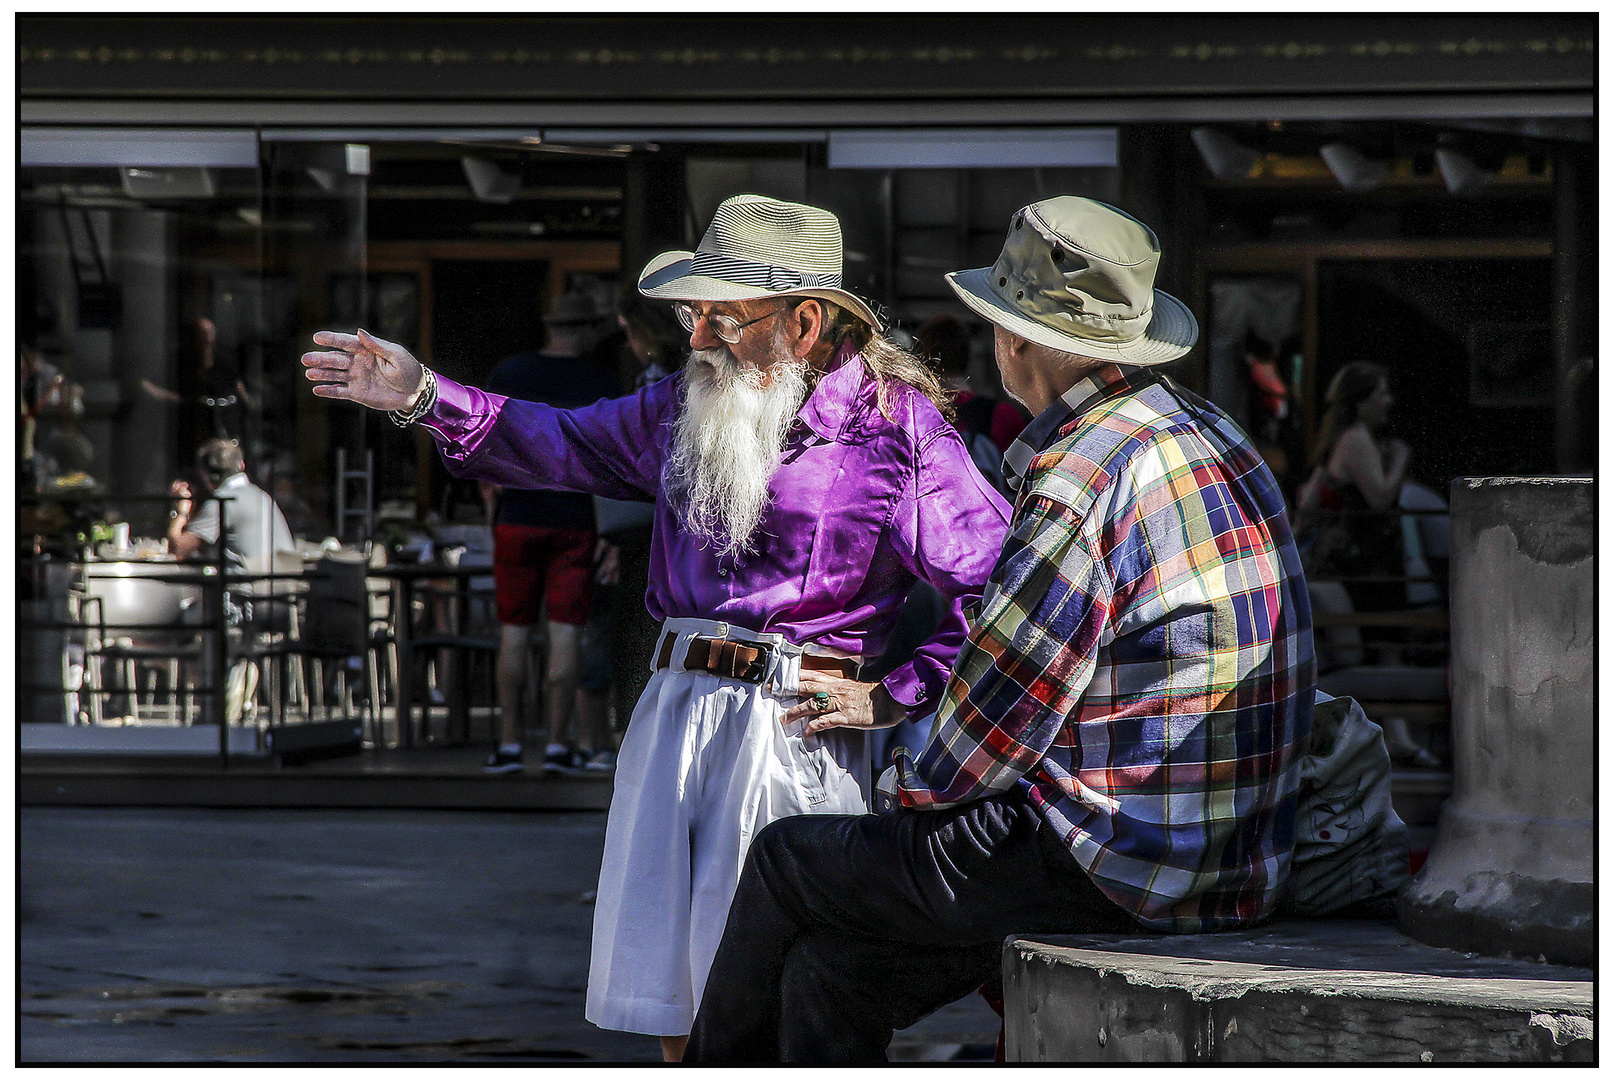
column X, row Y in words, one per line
column 846, row 929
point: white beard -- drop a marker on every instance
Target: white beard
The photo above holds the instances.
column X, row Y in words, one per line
column 728, row 442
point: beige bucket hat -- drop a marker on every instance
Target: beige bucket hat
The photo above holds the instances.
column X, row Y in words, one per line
column 758, row 247
column 1076, row 275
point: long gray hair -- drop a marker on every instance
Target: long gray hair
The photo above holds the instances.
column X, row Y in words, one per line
column 888, row 362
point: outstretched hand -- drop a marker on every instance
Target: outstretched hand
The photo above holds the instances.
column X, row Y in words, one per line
column 365, row 369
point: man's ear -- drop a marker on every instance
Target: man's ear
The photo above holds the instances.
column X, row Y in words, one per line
column 805, row 324
column 1008, row 344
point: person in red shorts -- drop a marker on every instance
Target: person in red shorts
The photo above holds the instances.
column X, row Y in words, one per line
column 544, row 548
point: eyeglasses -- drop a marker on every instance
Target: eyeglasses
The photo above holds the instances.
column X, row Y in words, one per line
column 725, row 326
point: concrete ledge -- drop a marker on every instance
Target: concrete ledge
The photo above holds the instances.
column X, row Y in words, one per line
column 200, row 740
column 1296, row 992
column 435, row 777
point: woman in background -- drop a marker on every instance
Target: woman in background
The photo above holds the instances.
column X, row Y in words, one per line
column 1347, row 521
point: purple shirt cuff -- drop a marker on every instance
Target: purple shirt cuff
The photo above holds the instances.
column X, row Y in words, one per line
column 461, row 418
column 908, row 687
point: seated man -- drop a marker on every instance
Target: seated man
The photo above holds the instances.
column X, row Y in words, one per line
column 1116, row 748
column 251, row 528
column 805, row 477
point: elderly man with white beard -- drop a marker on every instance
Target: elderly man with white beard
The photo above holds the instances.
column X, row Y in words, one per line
column 806, row 477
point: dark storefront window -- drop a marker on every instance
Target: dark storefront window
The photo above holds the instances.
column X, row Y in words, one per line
column 169, row 281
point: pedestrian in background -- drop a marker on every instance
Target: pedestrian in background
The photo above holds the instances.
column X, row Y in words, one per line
column 544, row 546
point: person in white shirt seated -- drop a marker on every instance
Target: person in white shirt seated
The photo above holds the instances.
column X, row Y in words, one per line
column 253, row 526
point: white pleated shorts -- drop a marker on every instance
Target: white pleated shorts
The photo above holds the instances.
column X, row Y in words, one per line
column 706, row 763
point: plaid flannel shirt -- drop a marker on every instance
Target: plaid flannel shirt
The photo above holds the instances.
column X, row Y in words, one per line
column 1141, row 663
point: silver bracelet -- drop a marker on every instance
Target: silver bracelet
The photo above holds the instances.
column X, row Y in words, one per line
column 423, row 405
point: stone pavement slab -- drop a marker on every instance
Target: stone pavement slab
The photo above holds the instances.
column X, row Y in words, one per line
column 322, row 935
column 327, row 935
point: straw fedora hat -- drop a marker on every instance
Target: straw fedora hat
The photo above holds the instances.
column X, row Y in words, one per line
column 758, row 247
column 1076, row 275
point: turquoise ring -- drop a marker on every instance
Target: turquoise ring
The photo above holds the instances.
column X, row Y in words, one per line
column 822, row 701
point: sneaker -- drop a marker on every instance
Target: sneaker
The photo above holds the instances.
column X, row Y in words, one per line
column 559, row 760
column 501, row 761
column 601, row 762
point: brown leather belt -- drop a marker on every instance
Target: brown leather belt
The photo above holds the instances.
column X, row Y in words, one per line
column 744, row 660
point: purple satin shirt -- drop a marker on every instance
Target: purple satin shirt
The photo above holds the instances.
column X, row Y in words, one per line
column 860, row 508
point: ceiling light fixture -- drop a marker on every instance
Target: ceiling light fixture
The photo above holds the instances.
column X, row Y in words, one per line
column 1226, row 158
column 178, row 182
column 1461, row 175
column 1353, row 170
column 490, row 183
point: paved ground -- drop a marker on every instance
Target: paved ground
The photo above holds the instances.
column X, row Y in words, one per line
column 327, row 936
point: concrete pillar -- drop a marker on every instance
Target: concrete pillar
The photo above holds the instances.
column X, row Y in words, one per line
column 1511, row 871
